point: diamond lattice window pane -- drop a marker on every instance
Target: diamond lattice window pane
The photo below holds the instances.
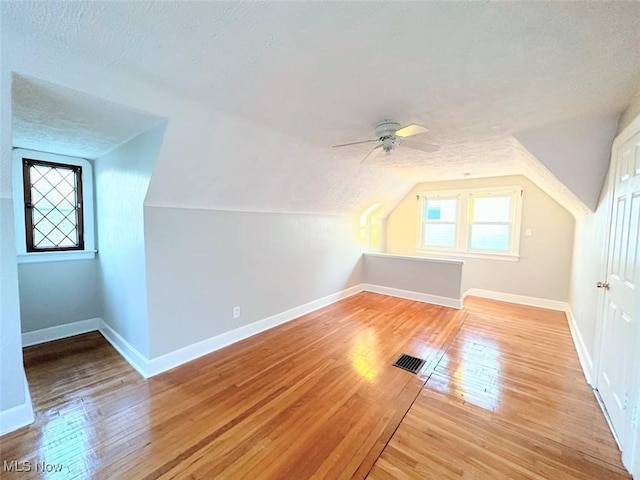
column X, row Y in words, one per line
column 54, row 205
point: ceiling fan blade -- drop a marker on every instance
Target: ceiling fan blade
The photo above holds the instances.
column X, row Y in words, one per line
column 372, row 154
column 423, row 147
column 355, row 143
column 411, row 130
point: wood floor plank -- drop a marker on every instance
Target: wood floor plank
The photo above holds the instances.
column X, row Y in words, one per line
column 507, row 401
column 318, row 398
column 313, row 397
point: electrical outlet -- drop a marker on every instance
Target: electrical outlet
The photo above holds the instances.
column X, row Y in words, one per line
column 236, row 312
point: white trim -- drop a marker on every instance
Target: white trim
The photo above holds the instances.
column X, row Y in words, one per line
column 605, row 413
column 19, row 416
column 64, row 256
column 60, row 331
column 150, row 367
column 464, row 198
column 125, row 349
column 636, row 456
column 414, row 257
column 416, row 296
column 191, row 352
column 519, row 299
column 583, row 353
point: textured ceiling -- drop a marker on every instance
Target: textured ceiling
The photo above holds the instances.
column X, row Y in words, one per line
column 475, row 73
column 50, row 118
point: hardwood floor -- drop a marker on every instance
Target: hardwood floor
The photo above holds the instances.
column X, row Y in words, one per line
column 508, row 400
column 318, row 398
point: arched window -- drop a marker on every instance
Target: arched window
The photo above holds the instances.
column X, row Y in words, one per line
column 370, row 228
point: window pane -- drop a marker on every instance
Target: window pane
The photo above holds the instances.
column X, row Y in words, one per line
column 439, row 235
column 440, row 209
column 53, row 198
column 491, row 209
column 490, row 237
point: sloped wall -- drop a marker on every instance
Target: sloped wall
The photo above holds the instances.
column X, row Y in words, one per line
column 575, row 152
column 213, row 162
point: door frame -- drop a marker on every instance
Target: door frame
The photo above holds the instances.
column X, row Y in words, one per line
column 633, row 447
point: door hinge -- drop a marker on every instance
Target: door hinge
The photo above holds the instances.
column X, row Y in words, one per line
column 625, row 400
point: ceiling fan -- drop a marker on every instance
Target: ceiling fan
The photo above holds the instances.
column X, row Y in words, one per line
column 391, row 135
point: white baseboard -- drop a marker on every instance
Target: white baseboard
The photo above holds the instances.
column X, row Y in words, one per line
column 191, row 352
column 519, row 299
column 150, row 367
column 60, row 331
column 125, row 349
column 410, row 295
column 636, row 457
column 583, row 354
column 18, row 416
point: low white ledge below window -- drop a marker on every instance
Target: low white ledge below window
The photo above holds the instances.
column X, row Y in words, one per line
column 68, row 256
column 413, row 257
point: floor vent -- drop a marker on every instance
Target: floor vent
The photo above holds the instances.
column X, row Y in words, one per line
column 409, row 363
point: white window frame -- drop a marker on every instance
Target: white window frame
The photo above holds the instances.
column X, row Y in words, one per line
column 446, row 195
column 370, row 220
column 89, row 251
column 463, row 223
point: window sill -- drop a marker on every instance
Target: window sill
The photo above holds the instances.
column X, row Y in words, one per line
column 505, row 257
column 43, row 257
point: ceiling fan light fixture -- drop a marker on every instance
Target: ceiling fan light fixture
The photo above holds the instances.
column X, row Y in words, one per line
column 390, row 135
column 388, row 144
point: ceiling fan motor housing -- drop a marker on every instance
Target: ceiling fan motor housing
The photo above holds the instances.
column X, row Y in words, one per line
column 386, row 129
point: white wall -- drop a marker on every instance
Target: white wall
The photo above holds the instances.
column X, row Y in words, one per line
column 201, row 263
column 55, row 293
column 214, row 162
column 544, row 266
column 12, row 380
column 439, row 278
column 122, row 178
column 591, row 233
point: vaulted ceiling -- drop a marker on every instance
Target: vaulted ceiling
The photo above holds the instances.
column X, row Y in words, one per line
column 51, row 118
column 490, row 81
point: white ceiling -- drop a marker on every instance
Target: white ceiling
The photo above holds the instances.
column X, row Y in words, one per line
column 51, row 118
column 475, row 73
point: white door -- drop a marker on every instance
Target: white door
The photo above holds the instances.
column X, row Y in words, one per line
column 618, row 365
